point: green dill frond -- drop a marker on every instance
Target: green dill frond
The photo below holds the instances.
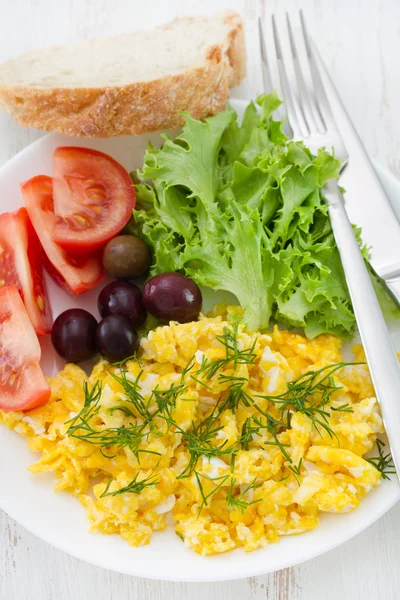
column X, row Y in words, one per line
column 383, row 462
column 132, row 392
column 220, row 480
column 343, row 408
column 296, row 469
column 81, row 427
column 123, row 362
column 239, row 502
column 186, row 370
column 311, row 394
column 229, row 339
column 166, row 399
column 136, row 486
column 200, row 441
column 236, row 395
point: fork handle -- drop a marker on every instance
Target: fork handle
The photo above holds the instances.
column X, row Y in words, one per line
column 378, row 347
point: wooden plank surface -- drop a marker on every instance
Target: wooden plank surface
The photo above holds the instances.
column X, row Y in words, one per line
column 360, row 42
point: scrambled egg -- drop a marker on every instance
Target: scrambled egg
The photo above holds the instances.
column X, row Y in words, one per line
column 277, row 483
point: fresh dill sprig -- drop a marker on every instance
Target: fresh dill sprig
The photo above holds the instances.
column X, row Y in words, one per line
column 202, row 383
column 383, row 462
column 255, row 426
column 247, row 433
column 91, row 404
column 273, row 427
column 121, row 408
column 134, row 487
column 236, row 395
column 221, row 479
column 134, row 406
column 122, row 362
column 81, row 427
column 296, row 469
column 347, row 408
column 233, row 354
column 311, row 394
column 199, row 442
column 132, row 393
column 239, row 501
column 166, row 399
column 186, row 370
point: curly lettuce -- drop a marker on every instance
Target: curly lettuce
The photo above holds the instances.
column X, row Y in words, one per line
column 240, row 208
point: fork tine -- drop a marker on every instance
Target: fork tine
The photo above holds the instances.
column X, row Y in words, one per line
column 268, row 85
column 294, row 111
column 322, row 105
column 266, row 73
column 304, row 83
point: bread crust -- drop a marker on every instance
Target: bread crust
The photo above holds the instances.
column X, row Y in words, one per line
column 140, row 107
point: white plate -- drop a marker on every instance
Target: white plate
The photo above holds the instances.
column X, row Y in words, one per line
column 60, row 519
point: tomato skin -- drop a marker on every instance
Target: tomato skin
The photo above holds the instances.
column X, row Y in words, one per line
column 75, row 274
column 77, row 287
column 22, row 383
column 21, row 265
column 93, row 198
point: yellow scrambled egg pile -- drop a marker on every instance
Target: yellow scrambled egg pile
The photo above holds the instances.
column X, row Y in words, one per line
column 277, row 483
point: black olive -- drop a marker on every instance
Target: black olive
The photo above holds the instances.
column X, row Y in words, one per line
column 126, row 257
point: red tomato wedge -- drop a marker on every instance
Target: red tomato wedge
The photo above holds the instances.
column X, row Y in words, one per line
column 21, row 265
column 22, row 383
column 76, row 274
column 93, row 199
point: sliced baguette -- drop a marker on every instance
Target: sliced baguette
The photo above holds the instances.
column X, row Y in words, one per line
column 133, row 83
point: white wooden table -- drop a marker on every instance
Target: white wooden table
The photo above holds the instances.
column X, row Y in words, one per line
column 360, row 41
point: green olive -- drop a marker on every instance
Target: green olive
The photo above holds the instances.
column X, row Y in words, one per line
column 126, row 257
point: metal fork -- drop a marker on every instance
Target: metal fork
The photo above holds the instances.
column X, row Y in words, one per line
column 311, row 120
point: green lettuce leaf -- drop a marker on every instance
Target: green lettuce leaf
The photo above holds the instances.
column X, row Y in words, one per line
column 240, row 208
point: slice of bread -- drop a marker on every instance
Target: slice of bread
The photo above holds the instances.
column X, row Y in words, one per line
column 133, row 83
